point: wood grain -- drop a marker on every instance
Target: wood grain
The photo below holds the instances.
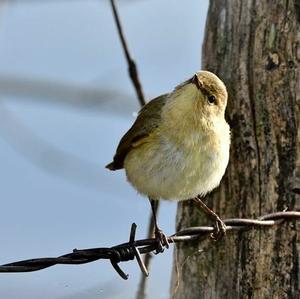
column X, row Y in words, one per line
column 254, row 47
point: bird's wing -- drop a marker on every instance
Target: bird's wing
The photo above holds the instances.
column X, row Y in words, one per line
column 147, row 121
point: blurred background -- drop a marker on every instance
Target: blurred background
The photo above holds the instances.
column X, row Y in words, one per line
column 65, row 101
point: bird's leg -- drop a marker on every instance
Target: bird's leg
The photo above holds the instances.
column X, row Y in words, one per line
column 159, row 234
column 220, row 227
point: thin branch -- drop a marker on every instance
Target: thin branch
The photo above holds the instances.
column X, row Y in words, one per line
column 60, row 93
column 133, row 73
column 132, row 69
column 134, row 248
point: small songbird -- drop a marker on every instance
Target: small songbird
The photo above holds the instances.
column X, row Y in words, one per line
column 178, row 147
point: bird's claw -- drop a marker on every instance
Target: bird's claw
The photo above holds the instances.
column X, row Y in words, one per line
column 162, row 241
column 219, row 230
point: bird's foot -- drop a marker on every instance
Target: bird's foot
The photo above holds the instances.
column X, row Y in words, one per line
column 162, row 240
column 219, row 230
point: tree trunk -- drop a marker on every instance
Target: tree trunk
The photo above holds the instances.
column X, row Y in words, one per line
column 254, row 46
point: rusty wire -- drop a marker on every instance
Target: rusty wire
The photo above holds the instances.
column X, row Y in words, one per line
column 134, row 76
column 133, row 249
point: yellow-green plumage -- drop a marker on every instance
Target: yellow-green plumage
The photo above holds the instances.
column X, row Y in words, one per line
column 178, row 147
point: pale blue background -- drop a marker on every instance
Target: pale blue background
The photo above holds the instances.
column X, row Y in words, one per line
column 57, row 131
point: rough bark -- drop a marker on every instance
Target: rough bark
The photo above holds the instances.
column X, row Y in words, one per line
column 254, row 46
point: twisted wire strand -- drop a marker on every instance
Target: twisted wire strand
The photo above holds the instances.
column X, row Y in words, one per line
column 134, row 248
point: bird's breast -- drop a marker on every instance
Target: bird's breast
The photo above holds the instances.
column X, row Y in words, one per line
column 167, row 168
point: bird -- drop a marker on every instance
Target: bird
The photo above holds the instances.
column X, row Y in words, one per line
column 178, row 146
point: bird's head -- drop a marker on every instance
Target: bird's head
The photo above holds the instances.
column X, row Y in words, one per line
column 202, row 96
column 212, row 93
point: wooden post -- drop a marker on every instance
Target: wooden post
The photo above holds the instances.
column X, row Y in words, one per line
column 254, row 46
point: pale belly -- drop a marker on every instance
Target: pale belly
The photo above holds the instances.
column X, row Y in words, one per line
column 162, row 170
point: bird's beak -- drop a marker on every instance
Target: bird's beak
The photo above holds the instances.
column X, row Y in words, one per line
column 196, row 81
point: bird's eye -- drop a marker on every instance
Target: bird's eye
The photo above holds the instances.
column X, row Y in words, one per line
column 211, row 100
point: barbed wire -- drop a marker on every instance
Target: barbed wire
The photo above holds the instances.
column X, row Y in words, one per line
column 134, row 76
column 133, row 249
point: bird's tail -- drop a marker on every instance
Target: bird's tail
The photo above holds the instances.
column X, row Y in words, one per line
column 111, row 166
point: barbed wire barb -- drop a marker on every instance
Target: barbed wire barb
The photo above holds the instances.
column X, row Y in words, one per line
column 133, row 249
